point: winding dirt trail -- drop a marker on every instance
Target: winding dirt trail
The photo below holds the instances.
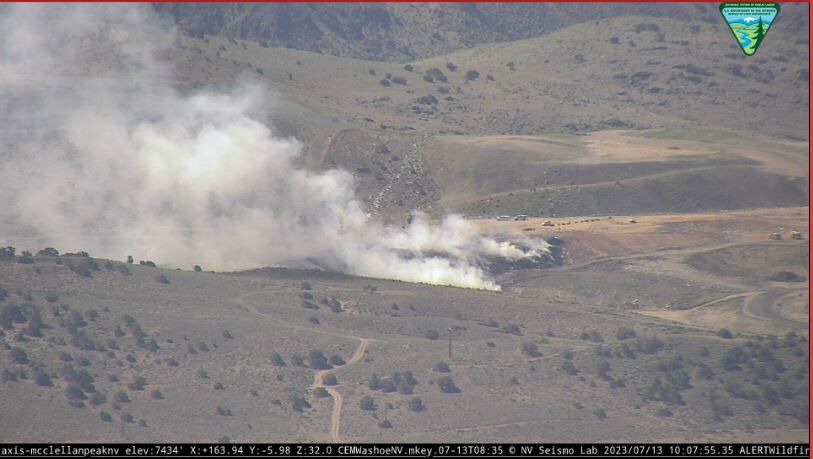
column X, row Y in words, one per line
column 318, row 377
column 318, row 381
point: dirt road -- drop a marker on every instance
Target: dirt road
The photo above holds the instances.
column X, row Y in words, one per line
column 762, row 306
column 318, row 381
column 318, row 377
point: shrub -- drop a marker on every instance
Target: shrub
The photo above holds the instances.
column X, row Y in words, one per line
column 130, row 259
column 299, row 404
column 9, row 375
column 65, row 357
column 409, row 67
column 197, row 268
column 428, row 79
column 531, row 349
column 162, row 279
column 416, row 404
column 42, row 378
column 297, row 360
column 600, row 413
column 663, row 412
column 80, row 267
column 569, row 368
column 80, row 377
column 567, row 355
column 374, row 383
column 74, row 392
column 48, row 252
column 472, row 75
column 83, row 361
column 317, row 360
column 124, row 270
column 35, row 324
column 388, row 385
column 227, row 334
column 203, row 347
column 367, row 403
column 321, row 392
column 330, row 380
column 219, row 386
column 648, row 344
column 442, row 367
column 17, row 355
column 625, row 333
column 11, row 314
column 399, row 80
column 127, row 417
column 447, row 386
column 121, row 397
column 733, row 358
column 51, row 298
column 138, row 383
column 223, row 411
column 437, row 74
column 725, row 333
column 451, row 66
column 276, row 360
column 306, row 286
column 432, row 334
column 105, row 416
column 25, row 258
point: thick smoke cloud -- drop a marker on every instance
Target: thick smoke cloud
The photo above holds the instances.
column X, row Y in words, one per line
column 101, row 153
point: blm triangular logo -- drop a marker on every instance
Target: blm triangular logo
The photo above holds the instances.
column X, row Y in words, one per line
column 749, row 22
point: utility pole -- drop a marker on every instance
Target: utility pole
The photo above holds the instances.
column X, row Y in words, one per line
column 450, row 343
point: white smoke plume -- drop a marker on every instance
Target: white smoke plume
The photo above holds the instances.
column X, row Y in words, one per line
column 100, row 152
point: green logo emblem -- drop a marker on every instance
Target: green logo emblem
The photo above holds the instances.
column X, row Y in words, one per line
column 749, row 22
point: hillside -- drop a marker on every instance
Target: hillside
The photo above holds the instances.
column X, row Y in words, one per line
column 565, row 82
column 400, row 32
column 389, row 124
column 125, row 353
